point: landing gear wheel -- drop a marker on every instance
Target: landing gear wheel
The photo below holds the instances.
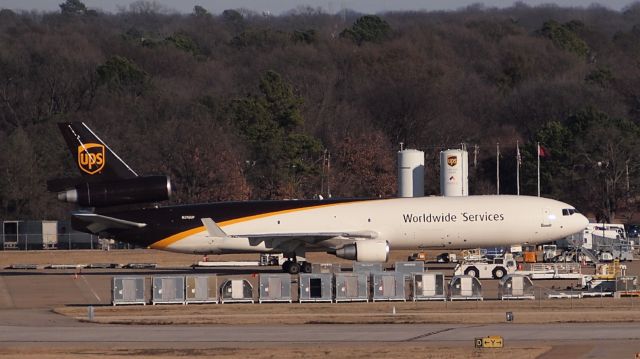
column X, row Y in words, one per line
column 499, row 272
column 306, row 267
column 294, row 268
column 286, row 265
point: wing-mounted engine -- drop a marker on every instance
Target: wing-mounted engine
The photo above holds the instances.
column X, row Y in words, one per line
column 365, row 251
column 118, row 192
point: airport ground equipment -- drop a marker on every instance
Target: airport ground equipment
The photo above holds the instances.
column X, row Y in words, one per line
column 549, row 252
column 351, row 287
column 236, row 291
column 226, row 264
column 418, row 256
column 103, row 265
column 476, row 254
column 627, row 286
column 429, row 286
column 496, row 268
column 201, row 289
column 447, row 257
column 316, row 287
column 465, row 287
column 555, row 271
column 128, row 290
column 66, row 266
column 275, row 287
column 168, row 290
column 140, row 265
column 269, row 259
column 388, row 286
column 604, row 241
column 409, row 267
column 565, row 295
column 515, row 286
column 23, row 266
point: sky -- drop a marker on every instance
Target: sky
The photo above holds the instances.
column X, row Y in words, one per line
column 279, row 6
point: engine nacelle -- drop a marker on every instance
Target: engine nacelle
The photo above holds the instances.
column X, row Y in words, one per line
column 113, row 193
column 365, row 251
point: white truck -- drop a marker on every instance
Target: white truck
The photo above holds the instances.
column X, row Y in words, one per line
column 496, row 268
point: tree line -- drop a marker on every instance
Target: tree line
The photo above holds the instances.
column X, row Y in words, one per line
column 240, row 105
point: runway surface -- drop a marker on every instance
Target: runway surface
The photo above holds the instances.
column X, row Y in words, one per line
column 30, row 326
column 27, row 325
column 317, row 333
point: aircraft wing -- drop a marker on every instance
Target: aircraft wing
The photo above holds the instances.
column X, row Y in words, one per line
column 97, row 223
column 293, row 239
column 320, row 235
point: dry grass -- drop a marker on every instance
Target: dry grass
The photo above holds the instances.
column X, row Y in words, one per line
column 315, row 351
column 548, row 311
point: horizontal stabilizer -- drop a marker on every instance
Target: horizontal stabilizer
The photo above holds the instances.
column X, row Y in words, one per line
column 213, row 229
column 97, row 223
column 61, row 184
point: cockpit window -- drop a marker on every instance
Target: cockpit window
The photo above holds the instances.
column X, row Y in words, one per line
column 569, row 211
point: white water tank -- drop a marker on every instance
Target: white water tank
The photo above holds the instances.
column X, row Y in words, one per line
column 454, row 173
column 410, row 173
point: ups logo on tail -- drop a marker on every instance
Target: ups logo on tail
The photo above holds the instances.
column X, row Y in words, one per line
column 452, row 160
column 91, row 157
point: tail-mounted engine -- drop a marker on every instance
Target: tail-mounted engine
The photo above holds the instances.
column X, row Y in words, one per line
column 119, row 192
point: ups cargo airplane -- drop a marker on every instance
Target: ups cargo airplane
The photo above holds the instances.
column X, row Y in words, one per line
column 355, row 229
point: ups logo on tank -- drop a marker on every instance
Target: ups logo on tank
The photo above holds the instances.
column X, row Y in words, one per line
column 91, row 157
column 452, row 160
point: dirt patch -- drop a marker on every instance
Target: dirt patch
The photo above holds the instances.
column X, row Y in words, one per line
column 363, row 350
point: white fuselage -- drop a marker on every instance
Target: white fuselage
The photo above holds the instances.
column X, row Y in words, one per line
column 405, row 223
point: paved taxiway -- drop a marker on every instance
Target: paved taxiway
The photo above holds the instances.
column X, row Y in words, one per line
column 34, row 328
column 26, row 322
column 318, row 333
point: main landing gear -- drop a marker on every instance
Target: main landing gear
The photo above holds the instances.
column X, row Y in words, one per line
column 294, row 267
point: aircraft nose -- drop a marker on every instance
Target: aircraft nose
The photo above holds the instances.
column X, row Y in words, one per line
column 582, row 222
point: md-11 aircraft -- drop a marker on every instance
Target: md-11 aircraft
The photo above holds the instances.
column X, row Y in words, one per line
column 356, row 229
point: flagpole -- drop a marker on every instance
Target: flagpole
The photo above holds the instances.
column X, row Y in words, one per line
column 538, row 152
column 518, row 167
column 497, row 167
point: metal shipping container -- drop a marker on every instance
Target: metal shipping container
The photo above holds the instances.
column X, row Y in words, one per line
column 409, row 267
column 168, row 290
column 365, row 267
column 464, row 287
column 316, row 287
column 429, row 286
column 201, row 289
column 388, row 286
column 516, row 286
column 352, row 287
column 275, row 287
column 236, row 291
column 128, row 290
